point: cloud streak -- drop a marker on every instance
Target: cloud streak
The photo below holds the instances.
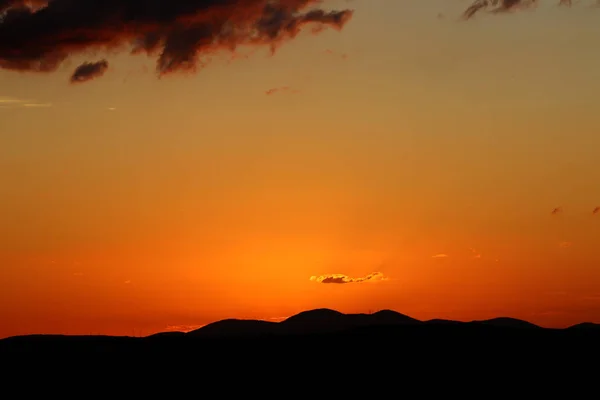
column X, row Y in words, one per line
column 283, row 89
column 182, row 34
column 12, row 102
column 504, row 6
column 182, row 328
column 341, row 279
column 441, row 255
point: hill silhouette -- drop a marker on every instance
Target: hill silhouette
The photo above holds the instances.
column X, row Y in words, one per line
column 507, row 322
column 235, row 327
column 307, row 322
column 317, row 344
column 324, row 321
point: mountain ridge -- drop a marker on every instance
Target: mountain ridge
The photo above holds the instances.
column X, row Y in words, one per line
column 324, row 320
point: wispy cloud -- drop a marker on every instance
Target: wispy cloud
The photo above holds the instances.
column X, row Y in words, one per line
column 596, row 210
column 503, row 6
column 343, row 56
column 182, row 328
column 476, row 254
column 37, row 105
column 9, row 100
column 341, row 278
column 274, row 319
column 440, row 255
column 13, row 102
column 564, row 245
column 282, row 89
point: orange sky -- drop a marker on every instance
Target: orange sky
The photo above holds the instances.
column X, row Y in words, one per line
column 131, row 204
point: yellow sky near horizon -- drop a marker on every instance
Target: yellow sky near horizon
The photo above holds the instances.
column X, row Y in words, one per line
column 132, row 203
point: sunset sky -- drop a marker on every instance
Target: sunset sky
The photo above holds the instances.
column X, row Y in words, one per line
column 410, row 160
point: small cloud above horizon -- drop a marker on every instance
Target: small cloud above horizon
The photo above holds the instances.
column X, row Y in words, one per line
column 341, row 278
column 564, row 245
column 596, row 210
column 182, row 328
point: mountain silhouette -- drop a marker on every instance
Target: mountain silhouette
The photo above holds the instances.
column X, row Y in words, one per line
column 437, row 321
column 585, row 326
column 312, row 346
column 321, row 320
column 506, row 322
column 235, row 327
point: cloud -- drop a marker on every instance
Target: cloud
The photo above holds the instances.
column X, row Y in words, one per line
column 503, row 6
column 182, row 328
column 343, row 56
column 556, row 211
column 274, row 319
column 340, row 278
column 441, row 255
column 9, row 100
column 565, row 245
column 30, row 105
column 182, row 34
column 33, row 4
column 596, row 210
column 284, row 89
column 88, row 71
column 12, row 102
column 476, row 254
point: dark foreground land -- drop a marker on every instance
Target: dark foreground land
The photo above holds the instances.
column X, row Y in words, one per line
column 322, row 346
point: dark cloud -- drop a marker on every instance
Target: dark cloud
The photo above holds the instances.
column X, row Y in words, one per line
column 596, row 210
column 32, row 4
column 39, row 35
column 556, row 211
column 340, row 278
column 501, row 6
column 88, row 71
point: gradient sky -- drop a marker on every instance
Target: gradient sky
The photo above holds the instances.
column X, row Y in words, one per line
column 411, row 143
